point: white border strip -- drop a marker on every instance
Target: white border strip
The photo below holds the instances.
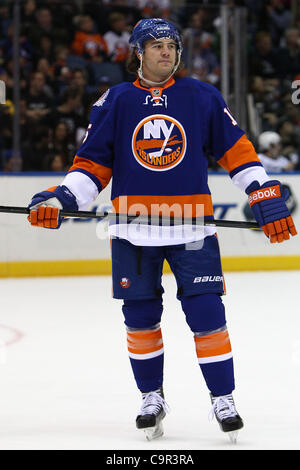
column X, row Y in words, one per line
column 208, row 360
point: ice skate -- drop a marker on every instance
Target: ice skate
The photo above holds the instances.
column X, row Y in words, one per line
column 223, row 409
column 151, row 414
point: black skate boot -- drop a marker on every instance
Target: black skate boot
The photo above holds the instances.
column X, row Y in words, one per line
column 152, row 412
column 229, row 420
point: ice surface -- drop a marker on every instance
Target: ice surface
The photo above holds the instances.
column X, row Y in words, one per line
column 66, row 381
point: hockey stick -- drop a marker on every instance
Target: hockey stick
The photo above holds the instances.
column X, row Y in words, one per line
column 140, row 219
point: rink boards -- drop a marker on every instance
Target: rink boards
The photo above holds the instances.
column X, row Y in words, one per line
column 81, row 247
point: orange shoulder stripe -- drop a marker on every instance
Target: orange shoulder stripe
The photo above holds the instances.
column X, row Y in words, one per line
column 242, row 152
column 101, row 172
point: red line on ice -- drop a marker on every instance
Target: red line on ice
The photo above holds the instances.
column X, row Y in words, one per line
column 17, row 335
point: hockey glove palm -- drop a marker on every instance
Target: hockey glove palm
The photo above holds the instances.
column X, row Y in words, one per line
column 270, row 211
column 45, row 207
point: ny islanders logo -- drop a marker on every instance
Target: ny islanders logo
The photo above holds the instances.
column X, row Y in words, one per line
column 159, row 143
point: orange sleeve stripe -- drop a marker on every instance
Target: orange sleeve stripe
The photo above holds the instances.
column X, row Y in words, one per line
column 101, row 172
column 242, row 152
column 213, row 345
column 53, row 188
column 194, row 205
column 143, row 342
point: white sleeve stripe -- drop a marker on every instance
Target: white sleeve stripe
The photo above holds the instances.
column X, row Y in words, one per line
column 83, row 188
column 247, row 176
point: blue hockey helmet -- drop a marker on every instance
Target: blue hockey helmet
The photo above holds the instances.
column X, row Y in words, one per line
column 154, row 28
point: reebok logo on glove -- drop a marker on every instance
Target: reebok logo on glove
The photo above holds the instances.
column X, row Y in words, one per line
column 263, row 194
column 270, row 210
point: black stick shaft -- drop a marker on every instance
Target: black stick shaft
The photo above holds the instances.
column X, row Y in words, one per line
column 141, row 219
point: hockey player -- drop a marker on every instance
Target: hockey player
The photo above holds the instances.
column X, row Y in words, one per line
column 151, row 137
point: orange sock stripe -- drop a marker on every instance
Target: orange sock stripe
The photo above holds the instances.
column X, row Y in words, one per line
column 214, row 344
column 144, row 342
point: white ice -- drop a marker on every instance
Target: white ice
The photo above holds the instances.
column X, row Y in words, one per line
column 66, row 381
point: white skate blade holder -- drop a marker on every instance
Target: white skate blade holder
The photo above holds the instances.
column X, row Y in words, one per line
column 154, row 432
column 233, row 436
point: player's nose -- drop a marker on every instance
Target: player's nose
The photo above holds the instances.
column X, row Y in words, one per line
column 165, row 51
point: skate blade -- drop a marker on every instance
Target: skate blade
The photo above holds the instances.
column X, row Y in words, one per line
column 233, row 436
column 154, row 432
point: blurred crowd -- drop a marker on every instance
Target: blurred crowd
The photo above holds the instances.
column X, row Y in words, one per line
column 71, row 52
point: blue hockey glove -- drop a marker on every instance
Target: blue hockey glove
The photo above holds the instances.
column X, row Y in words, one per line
column 45, row 207
column 270, row 211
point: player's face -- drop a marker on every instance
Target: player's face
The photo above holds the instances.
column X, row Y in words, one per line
column 159, row 59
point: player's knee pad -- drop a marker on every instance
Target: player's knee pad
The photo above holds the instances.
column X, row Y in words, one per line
column 142, row 314
column 204, row 312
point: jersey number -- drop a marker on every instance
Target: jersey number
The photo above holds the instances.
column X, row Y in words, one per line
column 87, row 133
column 226, row 111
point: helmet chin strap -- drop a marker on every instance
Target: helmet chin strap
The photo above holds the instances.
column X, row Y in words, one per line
column 149, row 82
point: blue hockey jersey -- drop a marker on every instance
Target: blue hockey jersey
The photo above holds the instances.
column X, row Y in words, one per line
column 154, row 143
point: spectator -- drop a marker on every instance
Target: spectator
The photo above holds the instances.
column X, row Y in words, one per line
column 263, row 60
column 25, row 124
column 71, row 113
column 28, row 14
column 25, row 66
column 63, row 13
column 154, row 8
column 57, row 162
column 279, row 19
column 195, row 23
column 5, row 20
column 290, row 142
column 289, row 55
column 39, row 103
column 43, row 66
column 117, row 38
column 80, row 80
column 25, row 46
column 35, row 149
column 61, row 70
column 205, row 64
column 267, row 97
column 61, row 141
column 44, row 26
column 45, row 48
column 87, row 43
